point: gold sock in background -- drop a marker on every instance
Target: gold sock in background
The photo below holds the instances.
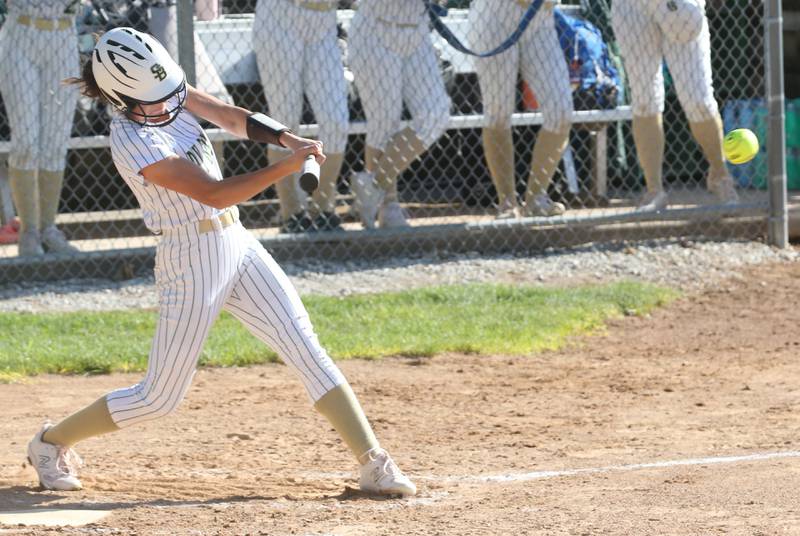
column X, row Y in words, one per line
column 91, row 421
column 546, row 155
column 341, row 408
column 50, row 183
column 708, row 134
column 498, row 146
column 648, row 135
column 25, row 191
column 401, row 151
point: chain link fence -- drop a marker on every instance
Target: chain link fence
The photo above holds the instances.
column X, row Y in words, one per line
column 555, row 141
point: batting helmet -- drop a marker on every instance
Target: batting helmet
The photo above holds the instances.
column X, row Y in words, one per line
column 131, row 68
column 680, row 20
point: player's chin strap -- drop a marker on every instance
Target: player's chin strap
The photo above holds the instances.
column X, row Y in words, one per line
column 436, row 12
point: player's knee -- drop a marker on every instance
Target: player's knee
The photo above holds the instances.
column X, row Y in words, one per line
column 431, row 126
column 497, row 118
column 334, row 135
column 699, row 111
column 557, row 118
column 24, row 158
column 51, row 159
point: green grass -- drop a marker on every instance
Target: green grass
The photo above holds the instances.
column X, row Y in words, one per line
column 480, row 319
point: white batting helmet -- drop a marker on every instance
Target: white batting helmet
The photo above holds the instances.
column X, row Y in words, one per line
column 680, row 20
column 131, row 67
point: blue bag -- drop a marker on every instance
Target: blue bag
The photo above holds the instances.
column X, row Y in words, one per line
column 595, row 81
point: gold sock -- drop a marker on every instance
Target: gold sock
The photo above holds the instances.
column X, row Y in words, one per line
column 93, row 420
column 708, row 134
column 401, row 151
column 498, row 146
column 25, row 191
column 50, row 183
column 287, row 189
column 648, row 135
column 545, row 158
column 325, row 195
column 341, row 408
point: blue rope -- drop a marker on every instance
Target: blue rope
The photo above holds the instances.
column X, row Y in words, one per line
column 436, row 12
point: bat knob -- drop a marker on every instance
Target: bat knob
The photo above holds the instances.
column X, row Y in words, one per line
column 309, row 175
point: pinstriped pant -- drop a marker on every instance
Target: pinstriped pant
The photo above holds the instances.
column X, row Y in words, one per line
column 199, row 275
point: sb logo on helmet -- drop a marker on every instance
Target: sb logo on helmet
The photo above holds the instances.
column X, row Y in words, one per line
column 158, row 71
column 672, row 5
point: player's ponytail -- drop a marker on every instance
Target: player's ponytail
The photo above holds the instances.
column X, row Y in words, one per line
column 86, row 83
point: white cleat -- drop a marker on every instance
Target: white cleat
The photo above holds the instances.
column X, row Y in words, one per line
column 29, row 244
column 508, row 211
column 542, row 205
column 54, row 241
column 381, row 475
column 724, row 190
column 368, row 197
column 56, row 466
column 653, row 202
column 391, row 216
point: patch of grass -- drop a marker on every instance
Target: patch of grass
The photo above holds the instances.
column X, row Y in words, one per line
column 475, row 319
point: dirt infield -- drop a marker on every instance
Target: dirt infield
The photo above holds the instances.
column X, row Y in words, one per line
column 710, row 386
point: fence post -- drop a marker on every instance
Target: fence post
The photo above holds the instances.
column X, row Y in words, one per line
column 776, row 136
column 186, row 39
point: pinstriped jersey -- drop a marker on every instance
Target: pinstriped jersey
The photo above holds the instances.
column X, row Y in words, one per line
column 134, row 147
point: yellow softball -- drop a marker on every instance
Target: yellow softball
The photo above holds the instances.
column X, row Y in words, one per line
column 740, row 146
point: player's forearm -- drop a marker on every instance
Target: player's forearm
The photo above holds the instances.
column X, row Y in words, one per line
column 240, row 188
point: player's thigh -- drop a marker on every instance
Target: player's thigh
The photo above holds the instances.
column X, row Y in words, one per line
column 327, row 91
column 544, row 68
column 690, row 66
column 378, row 76
column 58, row 111
column 497, row 75
column 424, row 93
column 268, row 305
column 279, row 57
column 640, row 43
column 19, row 84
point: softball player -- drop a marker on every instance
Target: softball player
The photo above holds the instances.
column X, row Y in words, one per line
column 205, row 261
column 39, row 47
column 539, row 57
column 649, row 32
column 393, row 60
column 297, row 51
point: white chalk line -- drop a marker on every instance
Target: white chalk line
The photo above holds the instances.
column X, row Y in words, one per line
column 716, row 460
column 539, row 475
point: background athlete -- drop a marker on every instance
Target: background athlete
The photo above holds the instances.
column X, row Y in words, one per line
column 393, row 61
column 649, row 32
column 297, row 51
column 205, row 261
column 39, row 49
column 538, row 56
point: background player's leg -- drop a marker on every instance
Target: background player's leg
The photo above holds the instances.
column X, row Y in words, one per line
column 378, row 74
column 279, row 56
column 690, row 65
column 25, row 192
column 58, row 111
column 640, row 42
column 543, row 66
column 327, row 93
column 19, row 83
column 497, row 77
